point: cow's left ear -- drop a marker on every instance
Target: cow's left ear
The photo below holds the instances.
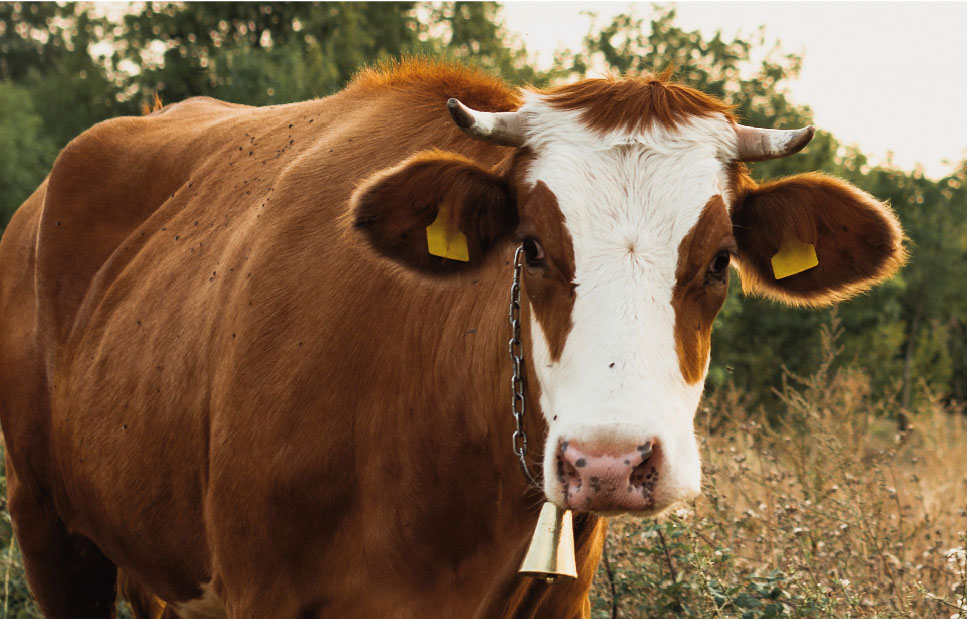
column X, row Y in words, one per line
column 436, row 212
column 857, row 240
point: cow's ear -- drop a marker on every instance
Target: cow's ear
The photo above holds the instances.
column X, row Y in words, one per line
column 855, row 240
column 436, row 212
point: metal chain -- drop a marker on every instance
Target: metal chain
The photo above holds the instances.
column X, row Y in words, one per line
column 517, row 379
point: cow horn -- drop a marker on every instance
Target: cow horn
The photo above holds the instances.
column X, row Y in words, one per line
column 504, row 128
column 762, row 144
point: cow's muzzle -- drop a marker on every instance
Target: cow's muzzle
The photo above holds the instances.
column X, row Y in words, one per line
column 613, row 480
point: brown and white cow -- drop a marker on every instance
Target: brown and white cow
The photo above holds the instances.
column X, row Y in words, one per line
column 231, row 368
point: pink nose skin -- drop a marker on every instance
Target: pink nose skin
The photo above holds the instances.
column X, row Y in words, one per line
column 602, row 481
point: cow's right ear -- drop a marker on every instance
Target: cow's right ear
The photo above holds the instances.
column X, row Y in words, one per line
column 436, row 212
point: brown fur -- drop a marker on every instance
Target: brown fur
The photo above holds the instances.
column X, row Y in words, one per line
column 697, row 298
column 634, row 104
column 858, row 239
column 437, row 80
column 206, row 375
column 549, row 286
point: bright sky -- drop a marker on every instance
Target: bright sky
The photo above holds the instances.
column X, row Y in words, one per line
column 886, row 76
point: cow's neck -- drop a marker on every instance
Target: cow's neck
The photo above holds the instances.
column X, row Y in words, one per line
column 487, row 509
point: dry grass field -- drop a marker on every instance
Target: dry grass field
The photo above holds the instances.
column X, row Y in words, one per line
column 827, row 512
column 824, row 512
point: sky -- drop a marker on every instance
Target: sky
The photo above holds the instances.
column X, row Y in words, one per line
column 889, row 77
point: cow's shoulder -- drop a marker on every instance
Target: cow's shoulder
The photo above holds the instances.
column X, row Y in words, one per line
column 104, row 186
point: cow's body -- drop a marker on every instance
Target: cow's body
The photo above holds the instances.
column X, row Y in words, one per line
column 211, row 337
column 210, row 381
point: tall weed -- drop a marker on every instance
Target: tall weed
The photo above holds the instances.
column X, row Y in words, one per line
column 827, row 511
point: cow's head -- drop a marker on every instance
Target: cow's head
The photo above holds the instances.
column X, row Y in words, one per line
column 631, row 202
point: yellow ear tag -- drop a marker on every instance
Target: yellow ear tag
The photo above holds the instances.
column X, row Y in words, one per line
column 794, row 257
column 440, row 241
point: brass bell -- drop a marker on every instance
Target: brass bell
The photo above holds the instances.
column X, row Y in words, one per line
column 551, row 552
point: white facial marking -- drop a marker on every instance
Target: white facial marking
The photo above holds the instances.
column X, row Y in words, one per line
column 628, row 201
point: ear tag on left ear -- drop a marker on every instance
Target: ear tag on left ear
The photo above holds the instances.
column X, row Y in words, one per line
column 793, row 257
column 440, row 241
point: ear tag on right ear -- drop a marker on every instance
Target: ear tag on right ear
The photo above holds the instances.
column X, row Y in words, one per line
column 443, row 242
column 794, row 257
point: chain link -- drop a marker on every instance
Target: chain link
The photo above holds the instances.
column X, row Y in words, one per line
column 516, row 350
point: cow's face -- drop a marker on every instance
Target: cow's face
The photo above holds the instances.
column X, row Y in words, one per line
column 629, row 220
column 627, row 240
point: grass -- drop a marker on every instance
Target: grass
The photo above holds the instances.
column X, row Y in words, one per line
column 17, row 602
column 824, row 512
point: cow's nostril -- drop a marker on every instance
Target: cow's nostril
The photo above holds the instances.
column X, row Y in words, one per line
column 567, row 472
column 644, row 476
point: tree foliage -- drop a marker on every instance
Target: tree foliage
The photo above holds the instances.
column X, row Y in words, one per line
column 260, row 52
column 23, row 147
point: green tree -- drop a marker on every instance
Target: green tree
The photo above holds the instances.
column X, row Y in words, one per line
column 25, row 151
column 263, row 53
column 46, row 49
column 260, row 52
column 51, row 89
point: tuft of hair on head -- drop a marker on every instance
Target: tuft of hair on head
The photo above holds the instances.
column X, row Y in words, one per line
column 434, row 80
column 154, row 106
column 667, row 74
column 634, row 103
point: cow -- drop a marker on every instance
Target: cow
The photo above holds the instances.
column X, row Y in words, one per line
column 256, row 358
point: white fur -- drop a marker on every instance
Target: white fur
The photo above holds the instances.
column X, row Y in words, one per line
column 628, row 200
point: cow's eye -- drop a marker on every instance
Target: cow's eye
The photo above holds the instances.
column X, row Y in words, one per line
column 719, row 265
column 533, row 251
